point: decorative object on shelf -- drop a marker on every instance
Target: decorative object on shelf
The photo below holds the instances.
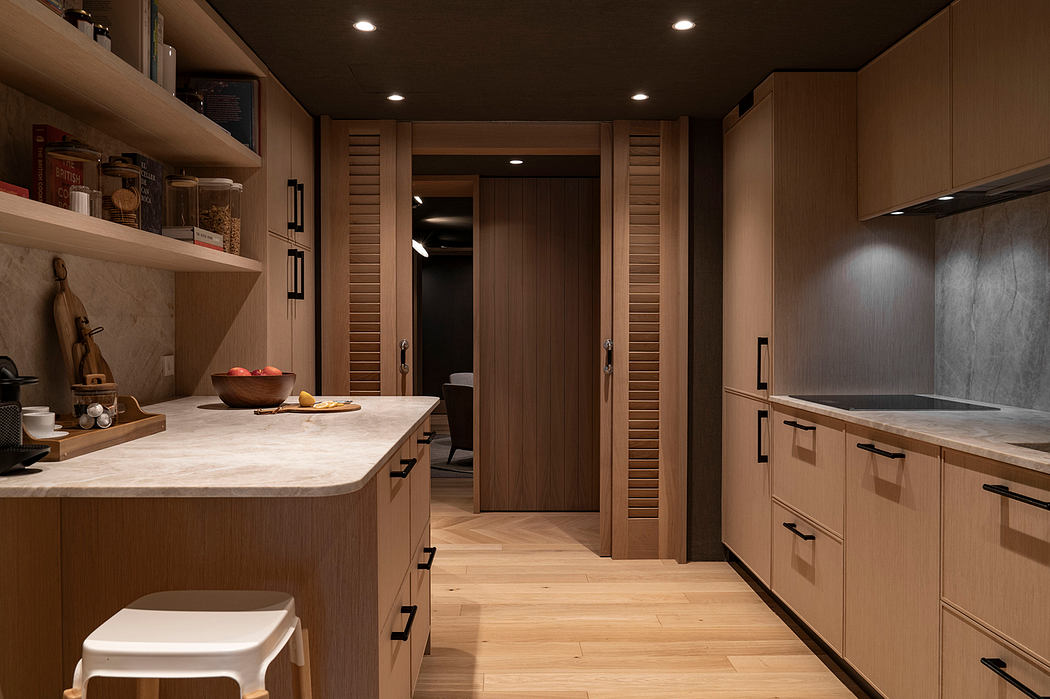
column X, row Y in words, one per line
column 180, row 201
column 232, row 103
column 131, row 23
column 234, row 247
column 216, row 195
column 14, row 189
column 168, row 73
column 102, row 37
column 56, row 6
column 152, row 191
column 121, row 191
column 253, row 391
column 82, row 20
column 75, row 342
column 195, row 235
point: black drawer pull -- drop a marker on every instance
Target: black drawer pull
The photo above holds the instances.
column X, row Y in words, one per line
column 800, row 426
column 403, row 473
column 762, row 385
column 432, row 550
column 881, row 452
column 1007, row 493
column 763, row 458
column 428, row 437
column 998, row 666
column 793, row 528
column 410, row 610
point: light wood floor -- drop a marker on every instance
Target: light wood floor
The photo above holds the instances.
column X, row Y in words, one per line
column 523, row 607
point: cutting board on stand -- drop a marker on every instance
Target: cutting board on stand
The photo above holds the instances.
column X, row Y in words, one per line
column 79, row 351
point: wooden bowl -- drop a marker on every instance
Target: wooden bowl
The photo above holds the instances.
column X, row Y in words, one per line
column 253, row 391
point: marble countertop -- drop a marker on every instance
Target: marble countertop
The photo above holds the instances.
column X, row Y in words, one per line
column 983, row 433
column 209, row 450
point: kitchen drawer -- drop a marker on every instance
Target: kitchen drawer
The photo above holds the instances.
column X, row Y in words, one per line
column 807, row 573
column 997, row 549
column 420, row 576
column 892, row 589
column 420, row 483
column 809, row 455
column 394, row 528
column 969, row 651
column 395, row 655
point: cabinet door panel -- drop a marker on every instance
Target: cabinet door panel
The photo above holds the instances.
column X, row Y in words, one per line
column 277, row 157
column 748, row 241
column 964, row 675
column 302, row 169
column 304, row 325
column 746, row 482
column 395, row 656
column 278, row 306
column 809, row 465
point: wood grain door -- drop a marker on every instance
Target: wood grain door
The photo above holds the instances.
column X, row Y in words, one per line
column 537, row 374
column 747, row 482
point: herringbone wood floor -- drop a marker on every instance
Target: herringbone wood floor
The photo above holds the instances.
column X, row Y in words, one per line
column 523, row 607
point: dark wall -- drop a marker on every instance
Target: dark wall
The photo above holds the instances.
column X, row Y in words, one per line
column 446, row 319
column 705, row 342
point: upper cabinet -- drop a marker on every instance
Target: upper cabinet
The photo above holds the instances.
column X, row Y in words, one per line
column 289, row 140
column 904, row 122
column 1000, row 83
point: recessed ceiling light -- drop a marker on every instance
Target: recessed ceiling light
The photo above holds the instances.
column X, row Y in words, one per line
column 364, row 26
column 947, row 197
column 639, row 97
column 418, row 199
column 395, row 97
column 516, row 162
column 896, row 213
column 684, row 25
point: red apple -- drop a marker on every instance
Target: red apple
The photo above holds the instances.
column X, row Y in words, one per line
column 238, row 371
column 257, row 372
column 271, row 371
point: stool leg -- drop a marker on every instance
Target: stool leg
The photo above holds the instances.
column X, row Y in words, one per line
column 304, row 684
column 258, row 694
column 147, row 689
column 72, row 694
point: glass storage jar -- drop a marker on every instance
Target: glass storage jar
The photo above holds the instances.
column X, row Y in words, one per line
column 67, row 164
column 102, row 37
column 95, row 404
column 215, row 195
column 180, row 201
column 121, row 191
column 235, row 218
column 82, row 20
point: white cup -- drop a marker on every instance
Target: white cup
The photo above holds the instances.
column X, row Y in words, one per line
column 39, row 425
column 27, row 409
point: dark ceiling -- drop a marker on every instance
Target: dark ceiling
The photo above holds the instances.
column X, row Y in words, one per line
column 555, row 60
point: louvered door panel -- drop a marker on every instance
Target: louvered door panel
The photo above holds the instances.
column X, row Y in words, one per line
column 364, row 256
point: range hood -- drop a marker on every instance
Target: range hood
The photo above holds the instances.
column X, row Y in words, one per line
column 1014, row 187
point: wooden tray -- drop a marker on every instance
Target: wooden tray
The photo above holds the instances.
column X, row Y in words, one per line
column 131, row 424
column 296, row 408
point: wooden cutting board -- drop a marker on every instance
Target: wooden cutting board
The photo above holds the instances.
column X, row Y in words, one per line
column 296, row 408
column 71, row 322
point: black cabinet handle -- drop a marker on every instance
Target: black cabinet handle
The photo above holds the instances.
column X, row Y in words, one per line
column 799, row 426
column 293, row 224
column 294, row 293
column 403, row 473
column 881, row 452
column 998, row 666
column 302, row 274
column 410, row 610
column 428, row 437
column 607, row 368
column 793, row 528
column 1007, row 493
column 762, row 342
column 432, row 550
column 762, row 457
column 404, row 356
column 300, row 214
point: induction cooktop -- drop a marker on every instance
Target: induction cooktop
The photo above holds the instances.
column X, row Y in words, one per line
column 892, row 402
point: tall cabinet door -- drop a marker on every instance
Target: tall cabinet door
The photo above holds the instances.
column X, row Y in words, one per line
column 279, row 274
column 748, row 247
column 746, row 484
column 277, row 153
column 304, row 325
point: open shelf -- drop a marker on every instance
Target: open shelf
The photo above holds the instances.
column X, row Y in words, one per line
column 206, row 44
column 31, row 224
column 48, row 59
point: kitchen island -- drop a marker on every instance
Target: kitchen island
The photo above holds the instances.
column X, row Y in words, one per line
column 325, row 507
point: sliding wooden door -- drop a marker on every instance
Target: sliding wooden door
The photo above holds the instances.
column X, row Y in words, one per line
column 650, row 313
column 537, row 257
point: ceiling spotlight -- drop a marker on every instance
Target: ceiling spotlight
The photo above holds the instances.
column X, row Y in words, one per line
column 364, row 26
column 418, row 247
column 416, row 198
column 396, row 97
column 516, row 162
column 684, row 25
column 896, row 213
column 947, row 197
column 639, row 97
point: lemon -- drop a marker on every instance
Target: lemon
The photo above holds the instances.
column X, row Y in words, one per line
column 306, row 400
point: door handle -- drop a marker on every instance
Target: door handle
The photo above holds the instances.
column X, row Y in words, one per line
column 293, row 211
column 410, row 610
column 799, row 426
column 762, row 457
column 762, row 385
column 882, row 452
column 301, row 255
column 404, row 356
column 793, row 528
column 300, row 214
column 608, row 347
column 408, row 464
column 428, row 438
column 998, row 666
column 1007, row 493
column 294, row 293
column 431, row 551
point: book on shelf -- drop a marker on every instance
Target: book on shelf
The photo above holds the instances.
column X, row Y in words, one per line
column 131, row 25
column 151, row 216
column 51, row 181
column 56, row 6
column 195, row 235
column 14, row 189
column 233, row 104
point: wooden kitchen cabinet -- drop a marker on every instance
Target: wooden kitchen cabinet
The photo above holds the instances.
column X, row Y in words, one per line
column 301, row 137
column 904, row 122
column 289, row 140
column 971, row 656
column 1000, row 70
column 892, row 590
column 279, row 306
column 290, row 304
column 746, row 482
column 809, row 465
column 304, row 324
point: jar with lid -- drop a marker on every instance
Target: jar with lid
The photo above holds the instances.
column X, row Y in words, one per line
column 215, row 201
column 95, row 404
column 102, row 37
column 180, row 201
column 71, row 163
column 121, row 190
column 82, row 20
column 235, row 219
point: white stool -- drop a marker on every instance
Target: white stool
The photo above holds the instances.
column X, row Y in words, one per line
column 196, row 633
